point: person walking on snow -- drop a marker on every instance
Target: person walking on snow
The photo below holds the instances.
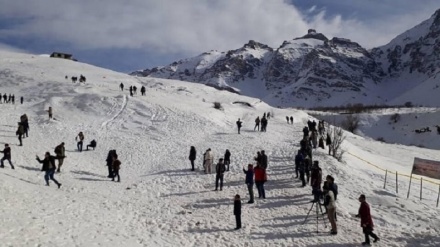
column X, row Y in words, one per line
column 238, row 125
column 227, row 159
column 49, row 111
column 121, row 86
column 21, row 100
column 143, row 90
column 109, row 162
column 366, row 221
column 237, row 211
column 291, row 120
column 219, row 174
column 6, row 156
column 25, row 122
column 192, row 156
column 260, row 179
column 49, row 168
column 80, row 139
column 116, row 168
column 257, row 124
column 20, row 133
column 287, row 118
column 60, row 152
column 250, row 181
column 207, row 160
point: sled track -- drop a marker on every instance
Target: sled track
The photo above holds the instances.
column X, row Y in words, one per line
column 124, row 105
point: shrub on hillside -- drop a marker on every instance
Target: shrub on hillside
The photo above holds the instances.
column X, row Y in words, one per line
column 337, row 137
column 395, row 117
column 351, row 123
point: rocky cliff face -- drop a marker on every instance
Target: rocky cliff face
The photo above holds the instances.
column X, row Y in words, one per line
column 415, row 51
column 313, row 70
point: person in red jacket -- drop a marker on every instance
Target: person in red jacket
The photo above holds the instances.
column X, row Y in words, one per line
column 366, row 221
column 260, row 179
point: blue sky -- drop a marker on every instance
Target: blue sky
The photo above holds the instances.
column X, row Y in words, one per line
column 136, row 34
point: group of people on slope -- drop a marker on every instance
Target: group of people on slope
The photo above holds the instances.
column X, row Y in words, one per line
column 308, row 170
column 208, row 160
column 133, row 89
column 9, row 99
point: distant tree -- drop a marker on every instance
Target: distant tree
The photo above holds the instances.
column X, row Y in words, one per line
column 337, row 137
column 395, row 117
column 408, row 104
column 351, row 123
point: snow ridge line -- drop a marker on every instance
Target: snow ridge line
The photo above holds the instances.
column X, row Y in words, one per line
column 124, row 105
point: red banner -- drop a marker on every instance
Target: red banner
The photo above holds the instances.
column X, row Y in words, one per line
column 428, row 168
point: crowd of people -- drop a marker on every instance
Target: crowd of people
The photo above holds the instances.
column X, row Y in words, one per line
column 133, row 89
column 307, row 170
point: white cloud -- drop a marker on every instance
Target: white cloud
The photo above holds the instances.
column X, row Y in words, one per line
column 186, row 26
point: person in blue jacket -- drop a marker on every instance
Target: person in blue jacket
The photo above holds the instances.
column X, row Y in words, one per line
column 250, row 181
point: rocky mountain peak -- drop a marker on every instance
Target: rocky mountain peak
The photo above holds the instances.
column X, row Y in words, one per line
column 312, row 34
column 252, row 44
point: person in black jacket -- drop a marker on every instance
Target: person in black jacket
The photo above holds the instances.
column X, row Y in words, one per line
column 237, row 211
column 219, row 174
column 49, row 168
column 109, row 162
column 192, row 156
column 227, row 159
column 239, row 123
column 6, row 156
column 91, row 145
column 264, row 161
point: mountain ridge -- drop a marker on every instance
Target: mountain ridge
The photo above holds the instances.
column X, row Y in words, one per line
column 313, row 70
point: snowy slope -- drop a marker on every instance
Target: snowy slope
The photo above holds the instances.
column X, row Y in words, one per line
column 159, row 202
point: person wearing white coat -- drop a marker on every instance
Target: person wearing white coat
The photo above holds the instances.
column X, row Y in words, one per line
column 329, row 202
column 208, row 160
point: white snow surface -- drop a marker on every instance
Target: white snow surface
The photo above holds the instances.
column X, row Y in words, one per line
column 159, row 201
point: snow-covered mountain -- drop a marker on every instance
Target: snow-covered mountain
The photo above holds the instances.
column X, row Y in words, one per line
column 316, row 71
